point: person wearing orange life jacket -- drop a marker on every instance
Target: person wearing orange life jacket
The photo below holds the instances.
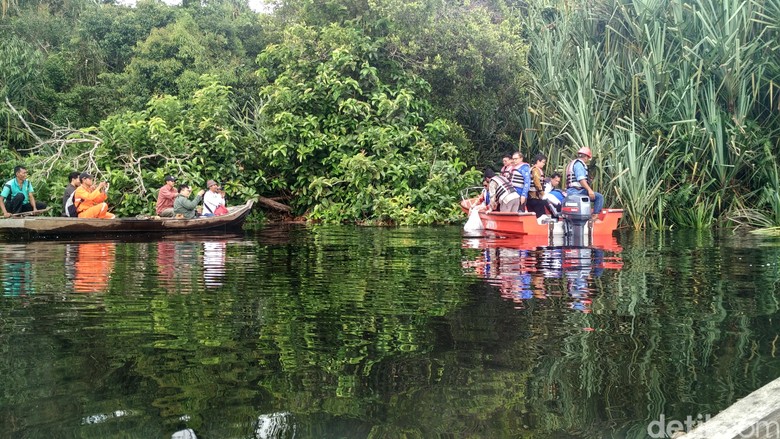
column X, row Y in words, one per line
column 501, row 194
column 90, row 199
column 521, row 178
column 578, row 182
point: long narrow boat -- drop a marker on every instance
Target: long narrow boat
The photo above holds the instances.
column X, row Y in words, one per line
column 526, row 223
column 50, row 226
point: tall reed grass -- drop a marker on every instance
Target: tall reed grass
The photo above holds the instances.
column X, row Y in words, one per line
column 676, row 98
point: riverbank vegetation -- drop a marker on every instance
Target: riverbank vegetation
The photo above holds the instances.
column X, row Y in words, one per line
column 380, row 112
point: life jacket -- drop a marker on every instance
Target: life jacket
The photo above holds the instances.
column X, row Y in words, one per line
column 504, row 187
column 506, row 171
column 532, row 187
column 518, row 180
column 571, row 181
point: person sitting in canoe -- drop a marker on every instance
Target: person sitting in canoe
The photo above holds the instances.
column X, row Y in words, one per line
column 214, row 200
column 166, row 196
column 502, row 195
column 17, row 195
column 90, row 199
column 68, row 206
column 188, row 209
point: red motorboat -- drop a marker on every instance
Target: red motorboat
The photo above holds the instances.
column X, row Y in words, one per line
column 526, row 223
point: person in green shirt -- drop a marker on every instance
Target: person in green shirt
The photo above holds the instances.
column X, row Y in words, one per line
column 185, row 207
column 17, row 195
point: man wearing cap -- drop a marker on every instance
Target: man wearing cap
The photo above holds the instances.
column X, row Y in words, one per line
column 578, row 181
column 90, row 199
column 166, row 196
column 213, row 198
column 17, row 195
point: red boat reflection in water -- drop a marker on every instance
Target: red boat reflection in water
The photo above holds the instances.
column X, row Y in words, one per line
column 527, row 267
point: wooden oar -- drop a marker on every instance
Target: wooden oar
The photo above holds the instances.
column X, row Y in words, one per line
column 30, row 213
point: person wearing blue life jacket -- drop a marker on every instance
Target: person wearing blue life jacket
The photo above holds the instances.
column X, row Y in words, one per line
column 483, row 202
column 17, row 195
column 521, row 178
column 552, row 194
column 578, row 181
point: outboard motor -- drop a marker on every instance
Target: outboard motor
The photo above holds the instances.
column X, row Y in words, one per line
column 576, row 211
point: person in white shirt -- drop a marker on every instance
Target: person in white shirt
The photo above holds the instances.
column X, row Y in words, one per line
column 213, row 198
column 552, row 194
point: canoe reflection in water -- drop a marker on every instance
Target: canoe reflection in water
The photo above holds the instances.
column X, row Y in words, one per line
column 523, row 270
column 214, row 263
column 16, row 270
column 179, row 264
column 94, row 264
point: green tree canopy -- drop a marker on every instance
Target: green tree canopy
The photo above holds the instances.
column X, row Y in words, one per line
column 347, row 141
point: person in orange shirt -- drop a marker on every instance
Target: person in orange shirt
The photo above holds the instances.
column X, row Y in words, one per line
column 90, row 199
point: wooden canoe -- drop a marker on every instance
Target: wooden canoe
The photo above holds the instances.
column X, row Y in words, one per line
column 48, row 226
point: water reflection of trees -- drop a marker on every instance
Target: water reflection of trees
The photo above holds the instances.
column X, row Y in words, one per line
column 356, row 333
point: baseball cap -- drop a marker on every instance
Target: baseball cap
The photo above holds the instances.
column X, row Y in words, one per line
column 170, row 178
column 85, row 175
column 211, row 183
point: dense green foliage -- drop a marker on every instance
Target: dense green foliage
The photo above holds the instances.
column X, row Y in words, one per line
column 355, row 142
column 374, row 111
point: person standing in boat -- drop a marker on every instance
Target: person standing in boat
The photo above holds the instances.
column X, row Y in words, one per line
column 90, row 199
column 17, row 195
column 502, row 195
column 68, row 208
column 536, row 203
column 506, row 168
column 521, row 178
column 185, row 207
column 213, row 199
column 578, row 181
column 166, row 196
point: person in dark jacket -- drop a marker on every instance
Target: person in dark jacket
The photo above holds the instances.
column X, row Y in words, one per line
column 68, row 208
column 185, row 207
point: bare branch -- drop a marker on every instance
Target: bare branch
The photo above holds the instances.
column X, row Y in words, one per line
column 16, row 112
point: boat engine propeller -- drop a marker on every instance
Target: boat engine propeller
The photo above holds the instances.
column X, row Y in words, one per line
column 576, row 212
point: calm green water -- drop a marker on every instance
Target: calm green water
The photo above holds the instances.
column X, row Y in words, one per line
column 383, row 333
